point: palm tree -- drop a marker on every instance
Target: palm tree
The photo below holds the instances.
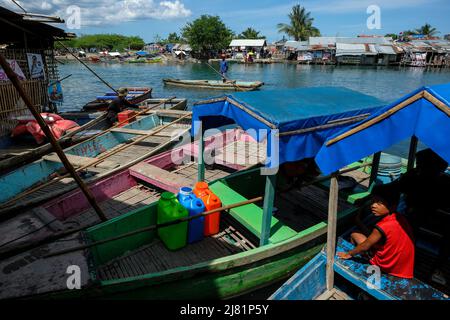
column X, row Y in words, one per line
column 301, row 27
column 427, row 30
column 250, row 33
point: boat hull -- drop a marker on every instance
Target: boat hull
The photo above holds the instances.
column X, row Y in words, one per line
column 212, row 84
column 102, row 105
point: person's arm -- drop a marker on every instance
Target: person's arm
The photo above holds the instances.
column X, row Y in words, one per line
column 374, row 237
column 128, row 104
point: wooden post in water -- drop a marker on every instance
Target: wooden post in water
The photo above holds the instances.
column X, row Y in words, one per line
column 201, row 157
column 331, row 231
column 412, row 152
column 269, row 197
column 16, row 82
column 375, row 165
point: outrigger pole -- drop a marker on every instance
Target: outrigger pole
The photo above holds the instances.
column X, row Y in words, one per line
column 84, row 64
column 16, row 82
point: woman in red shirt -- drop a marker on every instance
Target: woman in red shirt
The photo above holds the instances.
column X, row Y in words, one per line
column 390, row 244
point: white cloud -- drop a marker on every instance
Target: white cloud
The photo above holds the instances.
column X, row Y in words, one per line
column 106, row 12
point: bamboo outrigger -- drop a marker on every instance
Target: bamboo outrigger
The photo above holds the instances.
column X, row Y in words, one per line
column 410, row 116
column 256, row 245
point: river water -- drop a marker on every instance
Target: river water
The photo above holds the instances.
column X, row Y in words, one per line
column 386, row 83
column 381, row 82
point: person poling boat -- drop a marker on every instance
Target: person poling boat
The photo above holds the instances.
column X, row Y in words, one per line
column 224, row 68
column 118, row 105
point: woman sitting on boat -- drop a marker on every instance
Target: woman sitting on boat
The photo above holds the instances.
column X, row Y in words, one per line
column 390, row 245
column 118, row 105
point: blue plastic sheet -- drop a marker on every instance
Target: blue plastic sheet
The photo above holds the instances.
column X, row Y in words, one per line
column 420, row 118
column 286, row 111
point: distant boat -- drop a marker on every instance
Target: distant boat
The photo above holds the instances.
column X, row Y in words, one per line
column 215, row 84
column 135, row 95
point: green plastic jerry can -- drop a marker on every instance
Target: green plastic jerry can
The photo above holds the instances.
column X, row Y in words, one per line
column 169, row 209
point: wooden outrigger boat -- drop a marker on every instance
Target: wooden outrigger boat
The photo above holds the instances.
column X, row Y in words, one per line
column 256, row 245
column 327, row 277
column 135, row 95
column 129, row 189
column 20, row 153
column 215, row 84
column 105, row 153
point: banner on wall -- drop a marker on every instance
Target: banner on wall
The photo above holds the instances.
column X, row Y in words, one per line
column 36, row 66
column 55, row 93
column 15, row 67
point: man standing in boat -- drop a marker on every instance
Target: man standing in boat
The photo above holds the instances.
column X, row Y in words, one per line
column 223, row 68
column 118, row 105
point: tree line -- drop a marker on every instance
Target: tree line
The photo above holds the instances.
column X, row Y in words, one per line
column 208, row 34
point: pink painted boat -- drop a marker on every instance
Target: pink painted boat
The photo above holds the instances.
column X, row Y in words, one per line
column 130, row 189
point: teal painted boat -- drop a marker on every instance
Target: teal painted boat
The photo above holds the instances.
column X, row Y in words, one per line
column 94, row 158
column 356, row 278
column 261, row 239
column 215, row 84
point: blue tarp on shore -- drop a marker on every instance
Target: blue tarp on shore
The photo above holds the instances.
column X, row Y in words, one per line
column 318, row 112
column 424, row 113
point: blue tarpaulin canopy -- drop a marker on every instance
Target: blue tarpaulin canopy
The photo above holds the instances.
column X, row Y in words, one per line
column 424, row 113
column 304, row 117
column 142, row 53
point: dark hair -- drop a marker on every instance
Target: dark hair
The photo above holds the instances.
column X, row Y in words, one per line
column 387, row 193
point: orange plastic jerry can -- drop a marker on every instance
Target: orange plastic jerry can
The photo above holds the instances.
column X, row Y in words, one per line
column 211, row 202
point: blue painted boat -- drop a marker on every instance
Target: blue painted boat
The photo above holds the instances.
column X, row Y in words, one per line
column 410, row 116
column 83, row 154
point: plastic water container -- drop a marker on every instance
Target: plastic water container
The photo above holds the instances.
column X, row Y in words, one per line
column 169, row 209
column 194, row 206
column 126, row 117
column 390, row 168
column 211, row 201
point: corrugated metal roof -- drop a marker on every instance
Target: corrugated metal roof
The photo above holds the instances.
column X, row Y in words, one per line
column 385, row 49
column 248, row 43
column 298, row 45
column 350, row 49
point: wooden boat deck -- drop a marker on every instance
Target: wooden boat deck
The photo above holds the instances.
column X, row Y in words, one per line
column 127, row 201
column 303, row 208
column 115, row 161
column 155, row 257
column 333, row 294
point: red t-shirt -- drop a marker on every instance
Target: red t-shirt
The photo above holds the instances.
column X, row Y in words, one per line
column 395, row 255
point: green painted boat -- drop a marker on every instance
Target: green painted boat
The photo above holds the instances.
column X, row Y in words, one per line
column 267, row 231
column 215, row 84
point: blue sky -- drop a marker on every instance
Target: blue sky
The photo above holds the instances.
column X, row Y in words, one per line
column 148, row 18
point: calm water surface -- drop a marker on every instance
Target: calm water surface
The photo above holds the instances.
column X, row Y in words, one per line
column 386, row 83
column 381, row 82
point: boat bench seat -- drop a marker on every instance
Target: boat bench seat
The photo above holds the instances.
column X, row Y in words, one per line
column 79, row 161
column 391, row 288
column 161, row 178
column 250, row 215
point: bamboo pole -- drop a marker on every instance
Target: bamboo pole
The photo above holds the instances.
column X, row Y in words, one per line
column 16, row 82
column 154, row 227
column 93, row 163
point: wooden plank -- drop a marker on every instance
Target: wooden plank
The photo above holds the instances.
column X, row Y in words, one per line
column 81, row 161
column 331, row 231
column 159, row 177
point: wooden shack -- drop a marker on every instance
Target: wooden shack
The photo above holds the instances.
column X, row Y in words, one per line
column 28, row 46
